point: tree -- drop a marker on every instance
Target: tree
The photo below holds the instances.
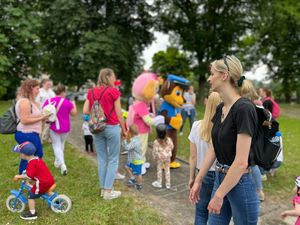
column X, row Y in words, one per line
column 207, row 29
column 83, row 36
column 19, row 43
column 278, row 44
column 171, row 62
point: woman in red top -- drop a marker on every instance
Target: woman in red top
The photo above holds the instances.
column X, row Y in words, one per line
column 108, row 141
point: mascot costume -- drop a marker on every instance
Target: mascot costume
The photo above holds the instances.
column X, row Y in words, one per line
column 144, row 88
column 172, row 93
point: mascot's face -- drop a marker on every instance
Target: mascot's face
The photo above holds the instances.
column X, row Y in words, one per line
column 175, row 97
column 150, row 90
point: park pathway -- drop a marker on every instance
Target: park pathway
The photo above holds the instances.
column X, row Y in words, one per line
column 173, row 204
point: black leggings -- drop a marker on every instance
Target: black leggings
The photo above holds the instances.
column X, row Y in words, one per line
column 88, row 142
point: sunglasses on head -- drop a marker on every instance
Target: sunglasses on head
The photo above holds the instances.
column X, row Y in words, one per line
column 224, row 57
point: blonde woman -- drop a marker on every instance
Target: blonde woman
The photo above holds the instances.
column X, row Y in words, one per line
column 200, row 139
column 234, row 129
column 108, row 141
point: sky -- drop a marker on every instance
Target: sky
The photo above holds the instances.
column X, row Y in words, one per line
column 161, row 43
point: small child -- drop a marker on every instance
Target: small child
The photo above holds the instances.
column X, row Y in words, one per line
column 36, row 171
column 296, row 204
column 88, row 137
column 162, row 152
column 135, row 160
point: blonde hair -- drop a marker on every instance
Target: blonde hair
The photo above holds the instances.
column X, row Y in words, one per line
column 234, row 69
column 212, row 102
column 103, row 76
column 248, row 90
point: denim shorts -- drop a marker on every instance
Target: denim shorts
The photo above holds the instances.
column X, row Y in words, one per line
column 135, row 169
column 33, row 196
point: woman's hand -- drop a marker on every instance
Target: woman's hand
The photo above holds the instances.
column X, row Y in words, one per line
column 215, row 205
column 283, row 215
column 194, row 193
column 191, row 183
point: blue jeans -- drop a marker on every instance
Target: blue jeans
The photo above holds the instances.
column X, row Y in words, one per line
column 108, row 150
column 34, row 138
column 188, row 114
column 256, row 175
column 201, row 212
column 241, row 203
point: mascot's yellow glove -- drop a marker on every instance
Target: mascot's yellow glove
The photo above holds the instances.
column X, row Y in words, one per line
column 176, row 121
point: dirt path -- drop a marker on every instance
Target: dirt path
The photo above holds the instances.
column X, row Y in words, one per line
column 173, row 204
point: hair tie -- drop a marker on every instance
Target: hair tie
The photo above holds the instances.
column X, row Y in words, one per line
column 240, row 81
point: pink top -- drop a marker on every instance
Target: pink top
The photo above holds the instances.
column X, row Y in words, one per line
column 141, row 109
column 63, row 114
column 34, row 112
column 296, row 199
column 107, row 102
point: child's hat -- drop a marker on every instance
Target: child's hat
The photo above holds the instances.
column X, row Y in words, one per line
column 86, row 117
column 26, row 148
column 161, row 130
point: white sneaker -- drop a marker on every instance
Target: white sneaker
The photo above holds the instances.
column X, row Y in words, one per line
column 119, row 176
column 147, row 165
column 156, row 184
column 101, row 193
column 144, row 171
column 56, row 164
column 63, row 170
column 264, row 177
column 111, row 195
column 168, row 186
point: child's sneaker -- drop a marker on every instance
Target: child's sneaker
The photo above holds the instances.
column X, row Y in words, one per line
column 131, row 182
column 28, row 216
column 138, row 187
column 119, row 176
column 168, row 186
column 156, row 184
column 56, row 164
column 111, row 195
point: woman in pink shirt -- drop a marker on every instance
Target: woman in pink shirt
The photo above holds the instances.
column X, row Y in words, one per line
column 30, row 117
column 59, row 130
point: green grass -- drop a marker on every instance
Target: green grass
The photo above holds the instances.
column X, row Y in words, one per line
column 81, row 185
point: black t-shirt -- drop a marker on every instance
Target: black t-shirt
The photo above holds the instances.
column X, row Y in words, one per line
column 241, row 119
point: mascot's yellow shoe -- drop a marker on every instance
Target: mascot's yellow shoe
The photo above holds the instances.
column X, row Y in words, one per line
column 175, row 165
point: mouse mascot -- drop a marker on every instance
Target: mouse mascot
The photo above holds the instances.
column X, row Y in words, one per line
column 172, row 94
column 144, row 89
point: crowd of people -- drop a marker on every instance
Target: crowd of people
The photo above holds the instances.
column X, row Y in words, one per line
column 223, row 182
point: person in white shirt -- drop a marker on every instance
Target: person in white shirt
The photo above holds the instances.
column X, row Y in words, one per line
column 45, row 93
column 200, row 139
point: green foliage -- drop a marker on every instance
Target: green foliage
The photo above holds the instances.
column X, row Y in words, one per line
column 171, row 62
column 207, row 29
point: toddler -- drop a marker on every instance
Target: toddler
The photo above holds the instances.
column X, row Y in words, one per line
column 88, row 137
column 36, row 171
column 162, row 152
column 296, row 204
column 133, row 145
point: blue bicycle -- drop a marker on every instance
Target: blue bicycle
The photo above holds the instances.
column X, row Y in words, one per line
column 17, row 201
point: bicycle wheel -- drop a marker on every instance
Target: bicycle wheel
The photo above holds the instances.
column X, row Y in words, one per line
column 19, row 207
column 61, row 204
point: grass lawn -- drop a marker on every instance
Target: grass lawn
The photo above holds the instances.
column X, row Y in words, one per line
column 81, row 185
column 281, row 185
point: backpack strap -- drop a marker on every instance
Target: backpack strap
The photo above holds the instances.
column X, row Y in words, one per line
column 57, row 124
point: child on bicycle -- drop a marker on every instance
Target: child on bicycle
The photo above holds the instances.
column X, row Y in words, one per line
column 36, row 171
column 133, row 144
column 296, row 204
